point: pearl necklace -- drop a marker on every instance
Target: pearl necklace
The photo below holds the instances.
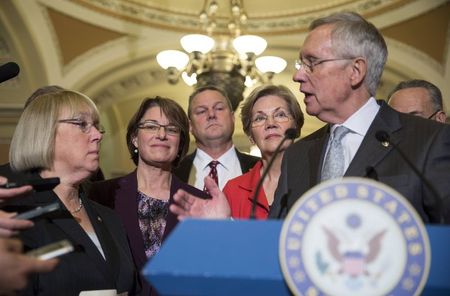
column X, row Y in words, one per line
column 79, row 207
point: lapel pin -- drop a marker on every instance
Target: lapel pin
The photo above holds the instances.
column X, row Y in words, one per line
column 385, row 143
column 99, row 219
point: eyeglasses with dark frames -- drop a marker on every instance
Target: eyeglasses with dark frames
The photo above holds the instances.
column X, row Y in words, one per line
column 84, row 125
column 310, row 65
column 154, row 127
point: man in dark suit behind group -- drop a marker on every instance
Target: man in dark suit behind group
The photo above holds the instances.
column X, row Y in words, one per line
column 212, row 125
column 339, row 69
column 418, row 97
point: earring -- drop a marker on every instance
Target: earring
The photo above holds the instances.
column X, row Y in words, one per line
column 135, row 151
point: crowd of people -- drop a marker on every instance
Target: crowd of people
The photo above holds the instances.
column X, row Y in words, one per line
column 117, row 225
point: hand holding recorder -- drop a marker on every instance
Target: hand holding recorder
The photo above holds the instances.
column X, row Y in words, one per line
column 11, row 223
column 16, row 266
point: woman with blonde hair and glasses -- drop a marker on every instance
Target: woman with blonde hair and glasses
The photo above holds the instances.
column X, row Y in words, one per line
column 157, row 139
column 59, row 135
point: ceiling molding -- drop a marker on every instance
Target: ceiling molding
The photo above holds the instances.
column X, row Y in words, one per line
column 263, row 18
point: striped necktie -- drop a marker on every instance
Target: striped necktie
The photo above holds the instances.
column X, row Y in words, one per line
column 213, row 173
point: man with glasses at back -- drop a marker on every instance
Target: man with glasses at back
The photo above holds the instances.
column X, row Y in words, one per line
column 339, row 69
column 418, row 97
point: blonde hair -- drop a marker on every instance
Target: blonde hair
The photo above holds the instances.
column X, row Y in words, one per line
column 33, row 143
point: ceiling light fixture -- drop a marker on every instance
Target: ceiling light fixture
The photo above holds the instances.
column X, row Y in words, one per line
column 227, row 60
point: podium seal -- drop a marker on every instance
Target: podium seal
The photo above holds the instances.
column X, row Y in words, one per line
column 354, row 236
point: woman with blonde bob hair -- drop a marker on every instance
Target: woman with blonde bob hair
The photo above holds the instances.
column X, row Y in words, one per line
column 59, row 135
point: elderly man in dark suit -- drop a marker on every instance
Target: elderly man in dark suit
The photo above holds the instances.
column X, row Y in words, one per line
column 211, row 121
column 339, row 69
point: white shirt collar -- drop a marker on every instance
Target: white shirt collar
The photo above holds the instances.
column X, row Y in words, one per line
column 360, row 121
column 227, row 158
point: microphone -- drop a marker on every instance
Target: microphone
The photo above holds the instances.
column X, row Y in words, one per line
column 289, row 134
column 384, row 137
column 371, row 173
column 283, row 205
column 8, row 71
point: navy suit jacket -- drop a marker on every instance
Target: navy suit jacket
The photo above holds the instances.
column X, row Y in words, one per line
column 85, row 268
column 121, row 195
column 184, row 168
column 425, row 142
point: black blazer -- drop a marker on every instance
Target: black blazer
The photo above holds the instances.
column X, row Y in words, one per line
column 85, row 268
column 121, row 194
column 184, row 168
column 425, row 142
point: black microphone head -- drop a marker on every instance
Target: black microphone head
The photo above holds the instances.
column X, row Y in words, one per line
column 8, row 71
column 290, row 133
column 382, row 136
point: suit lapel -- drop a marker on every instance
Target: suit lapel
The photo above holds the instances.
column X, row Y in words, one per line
column 249, row 184
column 246, row 161
column 371, row 151
column 81, row 240
column 171, row 219
column 126, row 206
column 106, row 241
column 316, row 156
column 184, row 168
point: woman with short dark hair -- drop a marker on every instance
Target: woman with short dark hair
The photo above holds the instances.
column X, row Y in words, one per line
column 157, row 139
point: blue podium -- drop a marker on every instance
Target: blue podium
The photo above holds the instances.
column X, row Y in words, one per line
column 205, row 257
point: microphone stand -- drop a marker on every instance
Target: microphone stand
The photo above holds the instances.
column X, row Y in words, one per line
column 289, row 134
column 383, row 136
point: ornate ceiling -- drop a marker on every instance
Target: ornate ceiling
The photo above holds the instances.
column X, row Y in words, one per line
column 107, row 49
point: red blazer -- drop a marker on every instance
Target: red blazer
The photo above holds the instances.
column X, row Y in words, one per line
column 240, row 191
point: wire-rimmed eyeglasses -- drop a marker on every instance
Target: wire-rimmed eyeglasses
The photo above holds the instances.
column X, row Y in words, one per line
column 309, row 66
column 84, row 125
column 434, row 114
column 154, row 127
column 279, row 116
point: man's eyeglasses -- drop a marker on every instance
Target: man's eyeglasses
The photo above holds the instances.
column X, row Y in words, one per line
column 434, row 114
column 84, row 126
column 154, row 127
column 278, row 116
column 309, row 66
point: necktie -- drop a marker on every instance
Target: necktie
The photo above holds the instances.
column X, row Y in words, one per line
column 213, row 172
column 334, row 161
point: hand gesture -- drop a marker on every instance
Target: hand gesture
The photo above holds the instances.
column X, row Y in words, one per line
column 187, row 205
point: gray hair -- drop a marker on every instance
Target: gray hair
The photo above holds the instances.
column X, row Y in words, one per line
column 433, row 91
column 353, row 36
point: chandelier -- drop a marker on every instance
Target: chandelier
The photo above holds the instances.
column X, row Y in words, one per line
column 226, row 59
